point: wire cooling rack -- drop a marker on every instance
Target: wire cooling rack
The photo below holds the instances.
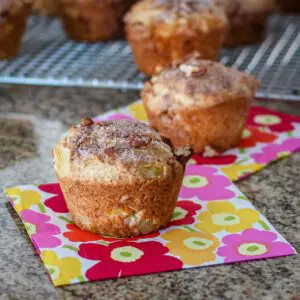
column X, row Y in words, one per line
column 49, row 58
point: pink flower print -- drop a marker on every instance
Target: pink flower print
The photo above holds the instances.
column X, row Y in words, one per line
column 203, row 183
column 57, row 203
column 275, row 151
column 115, row 116
column 275, row 121
column 252, row 244
column 41, row 232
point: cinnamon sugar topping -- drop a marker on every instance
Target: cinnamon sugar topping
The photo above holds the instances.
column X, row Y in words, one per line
column 202, row 77
column 124, row 140
column 140, row 141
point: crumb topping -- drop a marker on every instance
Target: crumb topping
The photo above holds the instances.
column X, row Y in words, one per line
column 148, row 11
column 185, row 6
column 127, row 141
column 196, row 76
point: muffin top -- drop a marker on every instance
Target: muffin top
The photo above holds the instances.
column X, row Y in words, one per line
column 149, row 11
column 201, row 83
column 116, row 150
column 126, row 141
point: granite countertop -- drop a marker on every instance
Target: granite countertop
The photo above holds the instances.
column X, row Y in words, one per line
column 31, row 121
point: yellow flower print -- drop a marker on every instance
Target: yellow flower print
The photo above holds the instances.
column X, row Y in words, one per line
column 23, row 199
column 62, row 270
column 194, row 248
column 222, row 215
column 138, row 111
column 236, row 171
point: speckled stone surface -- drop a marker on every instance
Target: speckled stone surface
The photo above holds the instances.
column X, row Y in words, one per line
column 32, row 120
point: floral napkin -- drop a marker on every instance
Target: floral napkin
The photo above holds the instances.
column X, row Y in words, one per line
column 213, row 223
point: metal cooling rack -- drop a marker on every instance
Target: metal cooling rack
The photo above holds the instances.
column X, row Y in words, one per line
column 49, row 58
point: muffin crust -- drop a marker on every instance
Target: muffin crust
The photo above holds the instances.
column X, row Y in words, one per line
column 163, row 32
column 13, row 17
column 119, row 178
column 93, row 20
column 200, row 103
column 247, row 20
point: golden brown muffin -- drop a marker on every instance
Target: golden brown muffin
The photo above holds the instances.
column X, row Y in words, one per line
column 247, row 20
column 94, row 20
column 163, row 32
column 201, row 104
column 119, row 178
column 46, row 7
column 290, row 6
column 13, row 17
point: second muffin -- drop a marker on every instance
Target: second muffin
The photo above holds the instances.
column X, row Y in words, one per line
column 289, row 6
column 13, row 17
column 163, row 32
column 119, row 178
column 201, row 104
column 247, row 20
column 93, row 20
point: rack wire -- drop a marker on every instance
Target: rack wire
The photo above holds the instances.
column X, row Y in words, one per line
column 49, row 58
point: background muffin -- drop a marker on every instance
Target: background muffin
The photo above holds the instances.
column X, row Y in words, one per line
column 46, row 7
column 94, row 20
column 247, row 20
column 162, row 32
column 13, row 16
column 119, row 178
column 200, row 103
column 291, row 6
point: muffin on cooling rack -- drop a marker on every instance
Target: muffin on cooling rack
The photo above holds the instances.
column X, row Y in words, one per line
column 291, row 6
column 119, row 178
column 201, row 104
column 45, row 7
column 163, row 32
column 13, row 16
column 93, row 20
column 247, row 20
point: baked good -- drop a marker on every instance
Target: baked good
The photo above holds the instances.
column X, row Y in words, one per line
column 201, row 104
column 45, row 7
column 247, row 20
column 163, row 32
column 290, row 6
column 13, row 16
column 120, row 178
column 94, row 20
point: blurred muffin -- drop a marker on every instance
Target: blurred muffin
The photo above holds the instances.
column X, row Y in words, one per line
column 201, row 104
column 119, row 178
column 45, row 7
column 94, row 20
column 13, row 17
column 290, row 6
column 247, row 20
column 163, row 32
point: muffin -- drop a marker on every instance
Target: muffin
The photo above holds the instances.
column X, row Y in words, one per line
column 201, row 104
column 163, row 32
column 119, row 178
column 94, row 20
column 290, row 6
column 13, row 17
column 247, row 20
column 45, row 7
